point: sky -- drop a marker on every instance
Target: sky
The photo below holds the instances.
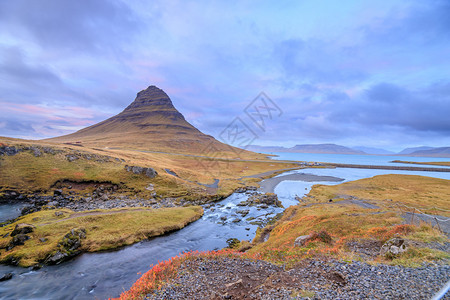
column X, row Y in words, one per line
column 355, row 73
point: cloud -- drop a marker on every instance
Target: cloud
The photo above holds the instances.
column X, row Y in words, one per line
column 339, row 71
column 83, row 25
column 418, row 23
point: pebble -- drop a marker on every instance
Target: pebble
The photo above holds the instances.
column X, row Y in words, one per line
column 224, row 277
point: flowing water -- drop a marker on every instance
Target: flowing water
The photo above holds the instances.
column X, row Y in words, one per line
column 103, row 275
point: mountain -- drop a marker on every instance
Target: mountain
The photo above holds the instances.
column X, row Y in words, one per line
column 266, row 149
column 308, row 148
column 414, row 149
column 370, row 150
column 150, row 122
column 324, row 148
column 434, row 152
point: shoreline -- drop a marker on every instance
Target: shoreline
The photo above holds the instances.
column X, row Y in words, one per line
column 268, row 185
column 401, row 168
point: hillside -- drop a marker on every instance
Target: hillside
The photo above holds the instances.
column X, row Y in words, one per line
column 371, row 150
column 434, row 152
column 414, row 149
column 324, row 148
column 150, row 122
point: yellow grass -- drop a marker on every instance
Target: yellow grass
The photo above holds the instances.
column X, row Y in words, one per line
column 25, row 173
column 105, row 229
column 434, row 163
column 345, row 222
column 431, row 195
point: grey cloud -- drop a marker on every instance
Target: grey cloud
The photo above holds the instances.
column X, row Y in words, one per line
column 423, row 22
column 14, row 68
column 318, row 62
column 82, row 25
column 391, row 105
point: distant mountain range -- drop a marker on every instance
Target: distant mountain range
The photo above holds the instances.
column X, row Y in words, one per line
column 434, row 152
column 309, row 148
column 414, row 149
column 370, row 150
column 339, row 149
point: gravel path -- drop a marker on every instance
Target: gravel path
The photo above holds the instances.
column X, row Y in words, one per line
column 232, row 278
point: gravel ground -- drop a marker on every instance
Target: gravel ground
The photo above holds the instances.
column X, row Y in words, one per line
column 231, row 278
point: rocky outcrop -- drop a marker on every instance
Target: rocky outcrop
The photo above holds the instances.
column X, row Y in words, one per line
column 262, row 200
column 394, row 247
column 149, row 172
column 10, row 151
column 321, row 236
column 245, row 189
column 17, row 240
column 22, row 228
column 35, row 150
column 301, row 240
column 6, row 276
column 68, row 247
column 71, row 157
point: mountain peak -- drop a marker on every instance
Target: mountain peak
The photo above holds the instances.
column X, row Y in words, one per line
column 152, row 96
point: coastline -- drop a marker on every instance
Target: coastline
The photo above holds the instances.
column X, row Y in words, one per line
column 268, row 185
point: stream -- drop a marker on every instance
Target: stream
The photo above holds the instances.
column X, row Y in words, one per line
column 107, row 274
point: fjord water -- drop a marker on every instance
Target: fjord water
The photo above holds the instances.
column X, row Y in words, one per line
column 379, row 160
column 107, row 274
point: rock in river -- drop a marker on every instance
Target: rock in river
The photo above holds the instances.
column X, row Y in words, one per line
column 68, row 247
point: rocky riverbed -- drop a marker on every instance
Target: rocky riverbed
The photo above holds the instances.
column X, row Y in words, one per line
column 234, row 278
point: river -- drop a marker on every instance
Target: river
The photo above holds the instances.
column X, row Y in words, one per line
column 107, row 274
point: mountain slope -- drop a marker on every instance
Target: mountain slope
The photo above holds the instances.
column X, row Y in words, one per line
column 371, row 150
column 150, row 122
column 324, row 148
column 434, row 152
column 414, row 149
column 307, row 148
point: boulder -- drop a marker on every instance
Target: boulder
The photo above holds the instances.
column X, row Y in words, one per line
column 58, row 192
column 71, row 157
column 243, row 212
column 28, row 210
column 17, row 241
column 394, row 247
column 10, row 151
column 48, row 150
column 150, row 172
column 53, row 203
column 301, row 240
column 36, row 151
column 68, row 247
column 137, row 170
column 264, row 200
column 22, row 228
column 6, row 276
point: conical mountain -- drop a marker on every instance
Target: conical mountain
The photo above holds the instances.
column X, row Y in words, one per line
column 150, row 122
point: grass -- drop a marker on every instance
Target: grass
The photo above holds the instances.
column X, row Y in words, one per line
column 433, row 163
column 26, row 173
column 105, row 229
column 428, row 194
column 345, row 222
